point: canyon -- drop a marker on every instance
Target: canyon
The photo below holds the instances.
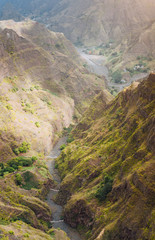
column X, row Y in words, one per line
column 77, row 119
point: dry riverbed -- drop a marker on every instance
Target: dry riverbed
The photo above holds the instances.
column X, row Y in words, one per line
column 57, row 210
column 97, row 64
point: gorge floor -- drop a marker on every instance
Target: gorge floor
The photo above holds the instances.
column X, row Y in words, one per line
column 57, row 210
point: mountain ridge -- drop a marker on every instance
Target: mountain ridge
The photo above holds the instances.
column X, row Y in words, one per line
column 40, row 75
column 110, row 164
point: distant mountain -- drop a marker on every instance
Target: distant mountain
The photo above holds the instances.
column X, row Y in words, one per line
column 124, row 31
column 91, row 22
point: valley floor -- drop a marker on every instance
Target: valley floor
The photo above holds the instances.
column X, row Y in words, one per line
column 97, row 64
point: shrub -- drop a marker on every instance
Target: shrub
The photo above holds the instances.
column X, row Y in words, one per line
column 104, row 188
column 51, row 232
column 1, row 173
column 16, row 151
column 117, row 76
column 21, row 161
column 9, row 107
column 49, row 103
column 70, row 139
column 37, row 87
column 15, row 89
column 62, row 146
column 58, row 45
column 26, row 235
column 11, row 232
column 9, row 169
column 18, row 179
column 29, row 181
column 34, row 158
column 22, row 149
column 37, row 124
column 2, row 165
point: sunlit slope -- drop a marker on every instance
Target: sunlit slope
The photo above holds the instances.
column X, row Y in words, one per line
column 108, row 168
column 43, row 84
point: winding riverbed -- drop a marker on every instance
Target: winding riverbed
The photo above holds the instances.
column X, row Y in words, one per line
column 57, row 220
column 97, row 64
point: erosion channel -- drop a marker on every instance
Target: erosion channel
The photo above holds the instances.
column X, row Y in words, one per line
column 57, row 210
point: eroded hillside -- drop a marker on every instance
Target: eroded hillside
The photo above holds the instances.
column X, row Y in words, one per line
column 43, row 86
column 108, row 168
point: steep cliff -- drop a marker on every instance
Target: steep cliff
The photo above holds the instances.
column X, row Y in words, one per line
column 108, row 168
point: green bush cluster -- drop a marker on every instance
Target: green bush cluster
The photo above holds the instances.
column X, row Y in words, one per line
column 37, row 124
column 14, row 164
column 117, row 76
column 51, row 232
column 30, row 181
column 62, row 146
column 104, row 188
column 9, row 107
column 70, row 139
column 19, row 179
column 23, row 148
column 15, row 89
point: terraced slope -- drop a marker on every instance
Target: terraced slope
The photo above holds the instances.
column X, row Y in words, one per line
column 108, row 168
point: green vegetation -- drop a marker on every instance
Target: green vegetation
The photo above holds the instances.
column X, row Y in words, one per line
column 37, row 124
column 19, row 179
column 104, row 188
column 30, row 181
column 11, row 232
column 9, row 107
column 14, row 164
column 51, row 232
column 27, row 107
column 15, row 89
column 117, row 76
column 70, row 138
column 62, row 146
column 26, row 235
column 37, row 87
column 23, row 148
column 113, row 141
column 67, row 130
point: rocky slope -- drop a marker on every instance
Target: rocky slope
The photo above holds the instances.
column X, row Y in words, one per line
column 108, row 168
column 42, row 82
